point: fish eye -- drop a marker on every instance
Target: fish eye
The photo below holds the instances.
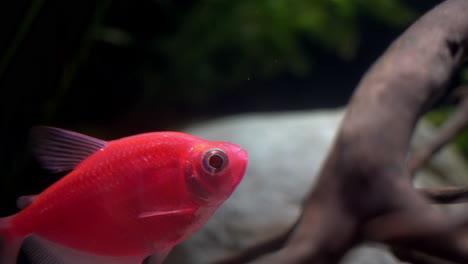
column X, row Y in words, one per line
column 215, row 160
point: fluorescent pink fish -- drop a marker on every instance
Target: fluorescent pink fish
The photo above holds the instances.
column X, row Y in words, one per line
column 124, row 199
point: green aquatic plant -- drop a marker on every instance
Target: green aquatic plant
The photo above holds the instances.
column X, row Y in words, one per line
column 223, row 42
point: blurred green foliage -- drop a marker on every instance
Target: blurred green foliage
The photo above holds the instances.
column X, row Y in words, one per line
column 221, row 43
column 439, row 116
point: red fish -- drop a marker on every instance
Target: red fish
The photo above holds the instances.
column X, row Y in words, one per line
column 124, row 199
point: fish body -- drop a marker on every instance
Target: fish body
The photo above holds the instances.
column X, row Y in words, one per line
column 131, row 197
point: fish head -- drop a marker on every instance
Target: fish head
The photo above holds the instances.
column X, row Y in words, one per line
column 214, row 169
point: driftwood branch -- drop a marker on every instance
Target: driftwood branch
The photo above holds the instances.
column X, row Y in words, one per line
column 446, row 195
column 364, row 191
column 453, row 127
column 415, row 257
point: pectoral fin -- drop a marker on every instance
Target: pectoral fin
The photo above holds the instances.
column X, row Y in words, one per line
column 167, row 212
column 159, row 257
column 43, row 251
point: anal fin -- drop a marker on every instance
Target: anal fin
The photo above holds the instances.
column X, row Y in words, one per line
column 43, row 251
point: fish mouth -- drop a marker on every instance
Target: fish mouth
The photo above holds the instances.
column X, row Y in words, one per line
column 243, row 155
column 243, row 158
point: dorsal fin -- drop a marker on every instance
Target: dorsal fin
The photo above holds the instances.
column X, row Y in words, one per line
column 61, row 150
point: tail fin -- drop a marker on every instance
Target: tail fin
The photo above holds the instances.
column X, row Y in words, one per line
column 10, row 243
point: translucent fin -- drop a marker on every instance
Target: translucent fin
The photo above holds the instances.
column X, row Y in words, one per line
column 25, row 200
column 9, row 244
column 43, row 251
column 61, row 150
column 159, row 257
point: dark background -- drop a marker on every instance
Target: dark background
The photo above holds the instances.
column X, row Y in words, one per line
column 115, row 68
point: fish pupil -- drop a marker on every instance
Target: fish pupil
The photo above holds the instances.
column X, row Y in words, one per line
column 216, row 161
